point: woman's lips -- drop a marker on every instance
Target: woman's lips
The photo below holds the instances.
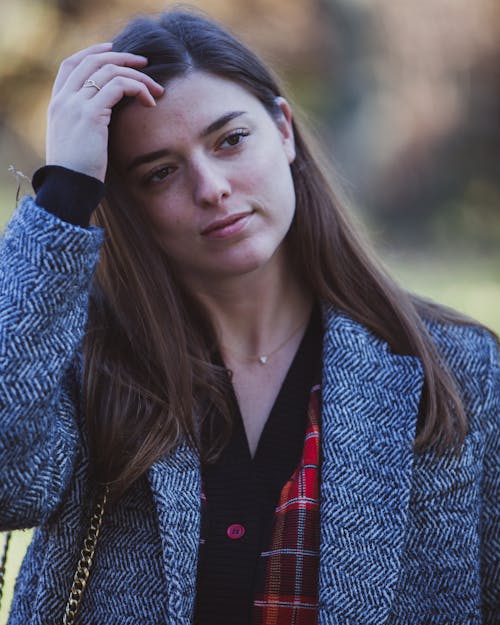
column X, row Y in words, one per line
column 227, row 227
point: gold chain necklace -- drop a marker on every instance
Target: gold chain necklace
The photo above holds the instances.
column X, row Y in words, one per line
column 264, row 358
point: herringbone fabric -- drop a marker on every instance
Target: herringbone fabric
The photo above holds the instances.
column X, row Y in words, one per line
column 404, row 539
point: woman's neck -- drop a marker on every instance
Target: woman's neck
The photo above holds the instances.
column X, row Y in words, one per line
column 253, row 314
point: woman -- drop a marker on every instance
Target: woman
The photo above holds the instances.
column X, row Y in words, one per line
column 286, row 436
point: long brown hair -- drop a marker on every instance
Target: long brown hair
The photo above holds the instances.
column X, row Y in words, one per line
column 149, row 377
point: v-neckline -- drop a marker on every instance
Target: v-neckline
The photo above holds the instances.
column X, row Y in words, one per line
column 294, row 392
column 289, row 410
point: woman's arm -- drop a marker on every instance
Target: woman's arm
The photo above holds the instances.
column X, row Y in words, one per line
column 46, row 266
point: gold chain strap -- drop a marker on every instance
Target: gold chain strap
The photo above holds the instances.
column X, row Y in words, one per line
column 85, row 562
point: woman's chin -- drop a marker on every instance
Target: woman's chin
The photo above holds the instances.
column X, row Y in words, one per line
column 234, row 266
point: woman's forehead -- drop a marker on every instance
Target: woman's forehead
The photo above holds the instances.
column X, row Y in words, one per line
column 196, row 96
column 190, row 108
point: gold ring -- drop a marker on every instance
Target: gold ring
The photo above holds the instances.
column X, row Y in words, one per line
column 91, row 83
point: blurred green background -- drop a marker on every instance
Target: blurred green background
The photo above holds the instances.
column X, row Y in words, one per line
column 404, row 97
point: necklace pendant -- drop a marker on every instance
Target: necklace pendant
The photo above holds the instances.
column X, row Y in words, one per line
column 263, row 359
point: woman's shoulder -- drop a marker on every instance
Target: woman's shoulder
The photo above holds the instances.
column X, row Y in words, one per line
column 463, row 339
column 460, row 340
column 464, row 343
column 471, row 353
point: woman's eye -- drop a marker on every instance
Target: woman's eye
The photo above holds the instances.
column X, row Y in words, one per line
column 159, row 175
column 234, row 138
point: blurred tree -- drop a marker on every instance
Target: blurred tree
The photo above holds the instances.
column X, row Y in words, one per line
column 417, row 124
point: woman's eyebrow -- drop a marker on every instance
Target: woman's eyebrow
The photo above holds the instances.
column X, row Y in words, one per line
column 147, row 158
column 221, row 122
column 213, row 127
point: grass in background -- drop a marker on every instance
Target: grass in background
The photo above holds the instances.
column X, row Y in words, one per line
column 17, row 548
column 467, row 283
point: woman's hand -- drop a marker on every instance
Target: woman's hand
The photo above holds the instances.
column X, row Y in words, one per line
column 86, row 88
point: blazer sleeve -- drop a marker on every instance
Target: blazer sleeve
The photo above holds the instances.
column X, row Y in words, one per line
column 46, row 268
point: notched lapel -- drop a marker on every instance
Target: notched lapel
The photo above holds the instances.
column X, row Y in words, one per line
column 175, row 483
column 369, row 412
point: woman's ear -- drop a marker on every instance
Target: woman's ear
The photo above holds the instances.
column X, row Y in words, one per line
column 285, row 126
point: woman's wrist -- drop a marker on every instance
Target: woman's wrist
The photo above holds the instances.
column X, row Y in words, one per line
column 68, row 194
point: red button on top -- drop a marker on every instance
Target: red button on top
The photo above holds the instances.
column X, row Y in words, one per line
column 235, row 531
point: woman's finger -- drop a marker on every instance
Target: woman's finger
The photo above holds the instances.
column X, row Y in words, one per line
column 106, row 74
column 92, row 63
column 119, row 87
column 69, row 64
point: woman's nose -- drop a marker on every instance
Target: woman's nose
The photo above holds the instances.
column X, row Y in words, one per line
column 210, row 183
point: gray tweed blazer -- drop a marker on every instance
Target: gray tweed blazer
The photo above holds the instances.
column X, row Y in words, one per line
column 405, row 539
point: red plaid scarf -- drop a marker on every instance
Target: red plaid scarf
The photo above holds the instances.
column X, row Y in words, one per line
column 289, row 568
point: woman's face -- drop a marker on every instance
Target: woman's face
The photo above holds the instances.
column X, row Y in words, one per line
column 211, row 169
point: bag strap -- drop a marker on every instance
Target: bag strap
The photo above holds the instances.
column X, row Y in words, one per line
column 86, row 559
column 84, row 563
column 3, row 562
